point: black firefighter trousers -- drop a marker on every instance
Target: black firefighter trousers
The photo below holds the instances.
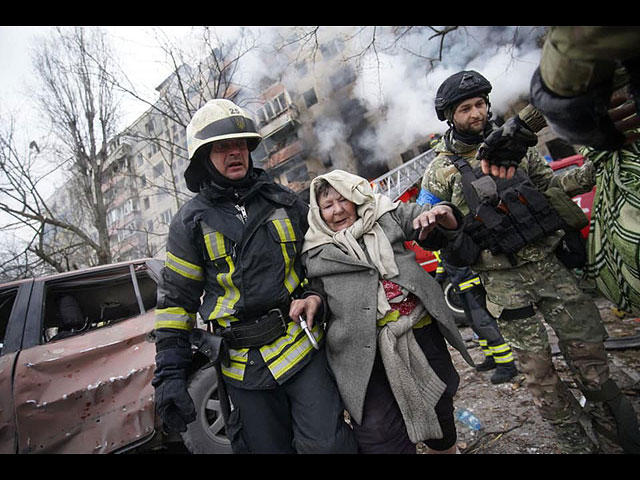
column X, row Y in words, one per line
column 304, row 415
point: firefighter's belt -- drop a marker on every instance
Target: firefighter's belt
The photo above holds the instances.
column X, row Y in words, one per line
column 255, row 333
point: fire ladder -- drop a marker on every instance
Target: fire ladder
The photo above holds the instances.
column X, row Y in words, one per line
column 397, row 181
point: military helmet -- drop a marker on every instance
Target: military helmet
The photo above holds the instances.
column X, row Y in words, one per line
column 459, row 87
column 218, row 119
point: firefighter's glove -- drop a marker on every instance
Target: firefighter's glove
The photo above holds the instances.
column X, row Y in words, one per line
column 580, row 120
column 174, row 404
column 508, row 144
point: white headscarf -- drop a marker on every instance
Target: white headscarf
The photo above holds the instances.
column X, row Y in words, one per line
column 369, row 208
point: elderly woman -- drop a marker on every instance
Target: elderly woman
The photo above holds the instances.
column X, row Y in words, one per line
column 385, row 335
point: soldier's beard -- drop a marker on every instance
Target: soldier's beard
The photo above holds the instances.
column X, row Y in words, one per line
column 472, row 129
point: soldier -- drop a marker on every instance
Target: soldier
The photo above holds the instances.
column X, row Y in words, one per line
column 516, row 230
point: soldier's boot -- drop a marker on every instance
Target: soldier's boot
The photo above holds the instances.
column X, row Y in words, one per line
column 555, row 403
column 614, row 420
column 504, row 372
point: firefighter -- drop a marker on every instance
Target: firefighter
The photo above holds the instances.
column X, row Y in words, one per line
column 516, row 230
column 235, row 245
column 468, row 287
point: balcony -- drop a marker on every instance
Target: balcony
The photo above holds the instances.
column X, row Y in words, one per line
column 281, row 156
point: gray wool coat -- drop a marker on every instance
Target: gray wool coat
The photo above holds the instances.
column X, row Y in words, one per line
column 351, row 291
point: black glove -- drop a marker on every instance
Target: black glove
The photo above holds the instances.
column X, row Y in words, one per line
column 173, row 360
column 580, row 120
column 174, row 404
column 506, row 145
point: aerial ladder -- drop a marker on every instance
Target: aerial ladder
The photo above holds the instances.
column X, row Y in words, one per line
column 396, row 182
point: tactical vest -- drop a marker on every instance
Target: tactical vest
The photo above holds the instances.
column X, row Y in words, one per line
column 505, row 214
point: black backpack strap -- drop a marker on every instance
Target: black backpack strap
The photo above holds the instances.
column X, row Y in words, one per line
column 468, row 177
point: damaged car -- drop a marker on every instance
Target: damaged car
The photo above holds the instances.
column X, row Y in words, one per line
column 76, row 362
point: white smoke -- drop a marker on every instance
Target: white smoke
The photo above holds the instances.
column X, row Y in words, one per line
column 330, row 134
column 403, row 86
column 397, row 81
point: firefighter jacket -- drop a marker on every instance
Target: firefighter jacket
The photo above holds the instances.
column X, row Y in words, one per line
column 242, row 254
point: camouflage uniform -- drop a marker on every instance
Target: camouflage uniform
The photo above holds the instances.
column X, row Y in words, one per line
column 534, row 277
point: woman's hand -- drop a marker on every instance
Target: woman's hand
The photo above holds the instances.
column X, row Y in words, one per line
column 427, row 221
column 307, row 307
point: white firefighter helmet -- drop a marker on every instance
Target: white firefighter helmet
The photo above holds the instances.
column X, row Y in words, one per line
column 218, row 119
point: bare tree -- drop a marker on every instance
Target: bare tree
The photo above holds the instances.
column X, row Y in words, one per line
column 80, row 107
column 23, row 178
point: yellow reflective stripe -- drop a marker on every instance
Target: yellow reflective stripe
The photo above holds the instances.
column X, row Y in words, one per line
column 297, row 346
column 174, row 317
column 184, row 268
column 287, row 237
column 269, row 352
column 502, row 353
column 215, row 249
column 436, row 253
column 291, row 280
column 223, row 311
column 285, row 230
column 469, row 283
column 237, row 364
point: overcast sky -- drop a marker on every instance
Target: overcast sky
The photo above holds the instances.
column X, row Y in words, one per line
column 135, row 46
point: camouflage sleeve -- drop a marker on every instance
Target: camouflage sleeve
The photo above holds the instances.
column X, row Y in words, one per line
column 573, row 182
column 538, row 169
column 577, row 180
column 577, row 58
column 437, row 179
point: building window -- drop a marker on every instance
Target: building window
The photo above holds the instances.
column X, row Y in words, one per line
column 310, row 97
column 158, row 169
column 273, row 108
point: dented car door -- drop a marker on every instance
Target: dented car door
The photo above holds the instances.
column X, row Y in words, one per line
column 89, row 391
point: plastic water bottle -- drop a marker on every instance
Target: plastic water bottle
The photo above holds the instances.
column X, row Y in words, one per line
column 465, row 417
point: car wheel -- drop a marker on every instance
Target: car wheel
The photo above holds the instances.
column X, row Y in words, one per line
column 453, row 302
column 207, row 434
